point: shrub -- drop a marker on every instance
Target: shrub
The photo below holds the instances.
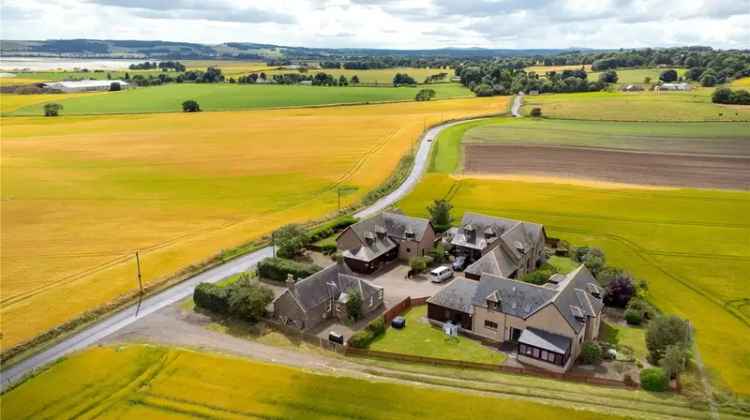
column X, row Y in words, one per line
column 654, row 379
column 591, row 353
column 418, row 264
column 439, row 254
column 619, row 291
column 609, row 76
column 279, row 269
column 363, row 339
column 211, row 297
column 354, row 305
column 425, row 95
column 633, row 317
column 666, row 331
column 535, row 277
column 248, row 299
column 440, row 215
column 642, row 307
column 52, row 110
column 190, row 106
column 536, row 112
column 329, row 228
column 668, row 76
column 114, row 87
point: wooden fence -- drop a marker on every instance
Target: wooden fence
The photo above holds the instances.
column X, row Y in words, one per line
column 408, row 358
column 402, row 306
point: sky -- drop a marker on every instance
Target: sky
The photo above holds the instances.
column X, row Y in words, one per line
column 414, row 24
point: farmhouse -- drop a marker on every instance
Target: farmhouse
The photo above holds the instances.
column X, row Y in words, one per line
column 324, row 295
column 674, row 86
column 369, row 244
column 632, row 88
column 502, row 247
column 85, row 85
column 547, row 323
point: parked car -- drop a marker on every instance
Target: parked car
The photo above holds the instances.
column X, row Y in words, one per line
column 441, row 274
column 459, row 263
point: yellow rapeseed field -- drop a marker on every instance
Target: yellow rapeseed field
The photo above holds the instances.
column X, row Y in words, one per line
column 11, row 102
column 81, row 194
column 148, row 382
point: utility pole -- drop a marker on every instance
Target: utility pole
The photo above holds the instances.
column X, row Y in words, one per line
column 138, row 263
column 273, row 243
column 338, row 193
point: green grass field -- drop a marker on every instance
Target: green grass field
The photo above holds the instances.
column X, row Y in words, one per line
column 636, row 76
column 632, row 338
column 562, row 264
column 225, row 97
column 713, row 137
column 155, row 382
column 422, row 339
column 637, row 106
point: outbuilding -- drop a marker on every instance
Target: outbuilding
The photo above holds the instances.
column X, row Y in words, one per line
column 86, row 85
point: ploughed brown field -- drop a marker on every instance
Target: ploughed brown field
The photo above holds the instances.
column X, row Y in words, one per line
column 621, row 166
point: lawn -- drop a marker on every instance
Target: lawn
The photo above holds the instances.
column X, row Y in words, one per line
column 636, row 76
column 636, row 106
column 379, row 76
column 709, row 137
column 225, row 96
column 630, row 337
column 658, row 235
column 155, row 382
column 563, row 265
column 81, row 194
column 419, row 338
column 447, row 153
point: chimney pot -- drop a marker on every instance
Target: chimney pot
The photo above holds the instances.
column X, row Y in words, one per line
column 290, row 281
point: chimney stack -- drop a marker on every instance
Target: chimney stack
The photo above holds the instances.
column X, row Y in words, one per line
column 290, row 283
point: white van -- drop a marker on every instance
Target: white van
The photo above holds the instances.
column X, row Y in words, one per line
column 441, row 274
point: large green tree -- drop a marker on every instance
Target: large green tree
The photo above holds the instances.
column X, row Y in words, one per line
column 666, row 331
column 289, row 240
column 440, row 215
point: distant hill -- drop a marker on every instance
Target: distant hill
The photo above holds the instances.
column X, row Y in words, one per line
column 236, row 50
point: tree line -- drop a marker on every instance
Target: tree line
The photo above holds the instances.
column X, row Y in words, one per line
column 507, row 79
column 162, row 65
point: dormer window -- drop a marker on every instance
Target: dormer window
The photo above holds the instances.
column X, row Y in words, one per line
column 577, row 313
column 409, row 233
column 380, row 231
column 594, row 290
column 370, row 237
column 519, row 247
column 490, row 234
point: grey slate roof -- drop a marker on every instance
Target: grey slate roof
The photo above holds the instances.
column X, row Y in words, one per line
column 516, row 298
column 386, row 230
column 510, row 239
column 522, row 300
column 457, row 295
column 545, row 340
column 317, row 288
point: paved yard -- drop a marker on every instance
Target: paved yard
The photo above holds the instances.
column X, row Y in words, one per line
column 397, row 286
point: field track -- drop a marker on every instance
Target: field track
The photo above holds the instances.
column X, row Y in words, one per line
column 635, row 167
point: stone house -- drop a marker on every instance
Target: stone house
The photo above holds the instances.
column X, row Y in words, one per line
column 369, row 244
column 547, row 324
column 323, row 295
column 503, row 247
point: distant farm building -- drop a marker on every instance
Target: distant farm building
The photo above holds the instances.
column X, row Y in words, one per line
column 674, row 86
column 85, row 85
column 632, row 88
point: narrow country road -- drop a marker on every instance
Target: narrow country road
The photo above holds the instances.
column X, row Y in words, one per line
column 129, row 315
column 515, row 109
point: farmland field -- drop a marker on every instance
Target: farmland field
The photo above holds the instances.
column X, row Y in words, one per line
column 82, row 194
column 651, row 233
column 709, row 155
column 155, row 382
column 741, row 83
column 11, row 102
column 380, row 76
column 225, row 97
column 636, row 106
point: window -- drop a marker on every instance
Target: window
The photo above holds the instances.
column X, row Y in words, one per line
column 489, row 324
column 535, row 354
column 544, row 354
column 408, row 249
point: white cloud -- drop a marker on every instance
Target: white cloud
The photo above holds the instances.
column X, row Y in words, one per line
column 389, row 23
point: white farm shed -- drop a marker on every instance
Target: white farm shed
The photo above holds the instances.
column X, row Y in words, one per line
column 85, row 85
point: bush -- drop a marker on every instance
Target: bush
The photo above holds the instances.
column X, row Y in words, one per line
column 674, row 361
column 363, row 339
column 354, row 305
column 642, row 307
column 439, row 254
column 536, row 112
column 248, row 299
column 190, row 106
column 591, row 353
column 619, row 291
column 425, row 95
column 440, row 215
column 666, row 331
column 633, row 317
column 211, row 297
column 668, row 76
column 279, row 269
column 535, row 277
column 728, row 96
column 52, row 110
column 609, row 76
column 654, row 379
column 418, row 264
column 329, row 228
column 114, row 87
